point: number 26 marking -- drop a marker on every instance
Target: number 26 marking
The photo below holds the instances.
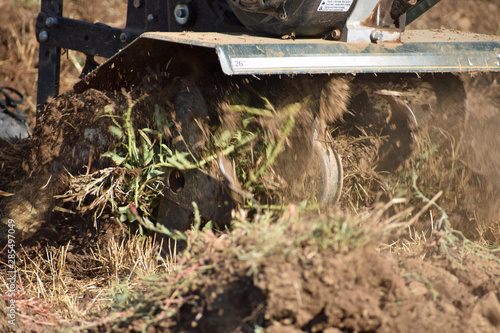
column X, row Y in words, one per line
column 238, row 63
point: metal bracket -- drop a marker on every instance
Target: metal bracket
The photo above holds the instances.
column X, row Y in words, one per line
column 370, row 21
column 49, row 58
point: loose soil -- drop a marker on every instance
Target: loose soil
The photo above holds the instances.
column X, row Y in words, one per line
column 362, row 291
column 412, row 287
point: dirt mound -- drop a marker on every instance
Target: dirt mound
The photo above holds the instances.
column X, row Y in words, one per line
column 73, row 133
column 433, row 287
column 363, row 292
column 69, row 140
column 358, row 292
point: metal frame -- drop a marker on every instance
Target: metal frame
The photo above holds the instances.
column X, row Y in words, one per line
column 371, row 21
column 55, row 32
column 150, row 22
column 421, row 51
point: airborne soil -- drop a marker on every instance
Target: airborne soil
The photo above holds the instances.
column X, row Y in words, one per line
column 420, row 280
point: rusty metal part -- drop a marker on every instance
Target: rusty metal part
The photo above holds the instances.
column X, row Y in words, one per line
column 371, row 21
column 183, row 187
column 400, row 7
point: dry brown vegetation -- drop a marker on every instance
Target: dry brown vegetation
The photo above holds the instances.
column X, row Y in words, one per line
column 413, row 251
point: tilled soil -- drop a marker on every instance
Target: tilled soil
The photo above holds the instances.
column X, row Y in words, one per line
column 431, row 289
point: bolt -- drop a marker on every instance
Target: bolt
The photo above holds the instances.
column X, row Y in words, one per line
column 180, row 13
column 43, row 36
column 137, row 3
column 151, row 18
column 376, row 36
column 336, row 34
column 124, row 37
column 51, row 22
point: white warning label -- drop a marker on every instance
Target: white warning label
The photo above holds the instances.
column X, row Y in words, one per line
column 335, row 5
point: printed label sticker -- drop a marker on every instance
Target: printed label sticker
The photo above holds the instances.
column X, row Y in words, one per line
column 335, row 5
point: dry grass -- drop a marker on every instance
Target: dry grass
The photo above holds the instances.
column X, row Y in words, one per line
column 20, row 57
column 128, row 258
column 13, row 160
column 54, row 291
column 361, row 182
column 25, row 47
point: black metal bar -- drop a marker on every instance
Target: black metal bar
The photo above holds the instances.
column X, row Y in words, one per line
column 89, row 38
column 420, row 8
column 49, row 57
column 136, row 16
column 156, row 15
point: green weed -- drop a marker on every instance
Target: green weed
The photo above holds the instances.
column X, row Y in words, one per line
column 132, row 188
